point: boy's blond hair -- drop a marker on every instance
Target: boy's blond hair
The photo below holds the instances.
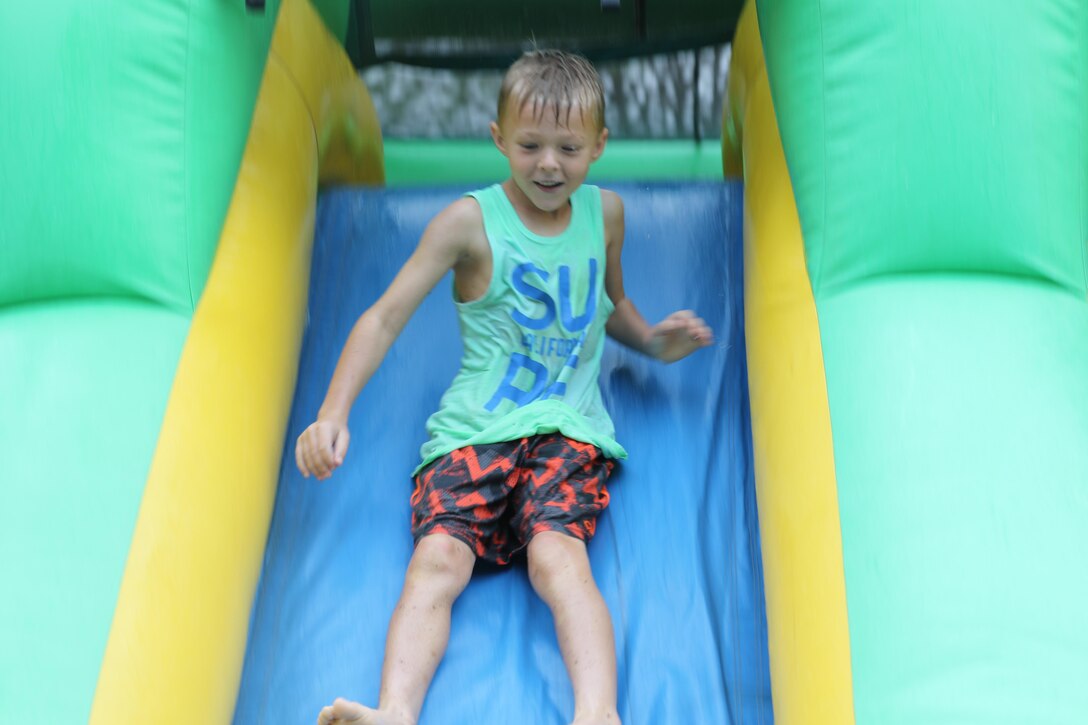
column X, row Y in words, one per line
column 561, row 80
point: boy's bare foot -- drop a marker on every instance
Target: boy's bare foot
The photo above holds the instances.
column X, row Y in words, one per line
column 607, row 718
column 345, row 711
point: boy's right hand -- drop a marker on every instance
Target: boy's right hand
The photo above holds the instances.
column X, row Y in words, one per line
column 321, row 448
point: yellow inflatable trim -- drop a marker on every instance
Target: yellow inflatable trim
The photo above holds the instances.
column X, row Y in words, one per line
column 178, row 638
column 791, row 426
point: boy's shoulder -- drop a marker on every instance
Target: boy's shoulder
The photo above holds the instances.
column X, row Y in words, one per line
column 460, row 218
column 463, row 210
column 458, row 229
column 610, row 198
column 612, row 211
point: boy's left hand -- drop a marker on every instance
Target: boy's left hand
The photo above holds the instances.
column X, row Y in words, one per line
column 679, row 335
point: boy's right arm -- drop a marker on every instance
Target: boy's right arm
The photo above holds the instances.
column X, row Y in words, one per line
column 447, row 240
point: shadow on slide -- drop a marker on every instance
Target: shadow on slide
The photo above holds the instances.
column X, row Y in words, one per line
column 676, row 554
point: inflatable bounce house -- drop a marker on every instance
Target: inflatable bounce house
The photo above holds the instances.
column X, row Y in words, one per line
column 867, row 503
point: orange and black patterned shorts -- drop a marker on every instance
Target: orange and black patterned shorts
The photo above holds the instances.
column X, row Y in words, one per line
column 497, row 497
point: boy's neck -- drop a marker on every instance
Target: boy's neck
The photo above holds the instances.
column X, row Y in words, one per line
column 536, row 220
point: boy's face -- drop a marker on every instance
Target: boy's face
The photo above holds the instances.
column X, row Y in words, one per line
column 548, row 159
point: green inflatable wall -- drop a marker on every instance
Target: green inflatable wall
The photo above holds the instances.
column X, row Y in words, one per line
column 123, row 124
column 938, row 156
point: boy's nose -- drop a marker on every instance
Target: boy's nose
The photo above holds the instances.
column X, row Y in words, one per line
column 549, row 160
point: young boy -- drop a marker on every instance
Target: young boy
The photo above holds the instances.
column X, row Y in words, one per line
column 521, row 445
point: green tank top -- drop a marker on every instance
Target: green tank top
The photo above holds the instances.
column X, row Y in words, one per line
column 533, row 341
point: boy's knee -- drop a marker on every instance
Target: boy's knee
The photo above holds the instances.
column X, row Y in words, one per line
column 442, row 560
column 554, row 558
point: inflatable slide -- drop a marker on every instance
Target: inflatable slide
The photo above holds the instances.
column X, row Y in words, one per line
column 889, row 532
column 686, row 599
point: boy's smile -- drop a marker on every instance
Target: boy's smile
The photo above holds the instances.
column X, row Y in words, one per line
column 549, row 159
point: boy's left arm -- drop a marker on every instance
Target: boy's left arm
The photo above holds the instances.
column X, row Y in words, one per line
column 675, row 337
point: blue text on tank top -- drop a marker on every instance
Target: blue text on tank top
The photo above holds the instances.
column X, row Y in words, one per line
column 521, row 279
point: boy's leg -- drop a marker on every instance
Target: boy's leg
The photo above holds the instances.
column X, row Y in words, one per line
column 560, row 574
column 418, row 633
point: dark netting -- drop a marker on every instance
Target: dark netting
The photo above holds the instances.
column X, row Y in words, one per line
column 674, row 95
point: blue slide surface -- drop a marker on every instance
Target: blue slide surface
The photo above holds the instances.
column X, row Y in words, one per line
column 676, row 554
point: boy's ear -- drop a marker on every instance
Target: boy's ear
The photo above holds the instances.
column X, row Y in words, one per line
column 496, row 136
column 598, row 148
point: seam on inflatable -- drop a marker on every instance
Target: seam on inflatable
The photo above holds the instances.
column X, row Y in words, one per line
column 816, row 280
column 187, row 231
column 1084, row 179
column 951, row 274
column 56, row 300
